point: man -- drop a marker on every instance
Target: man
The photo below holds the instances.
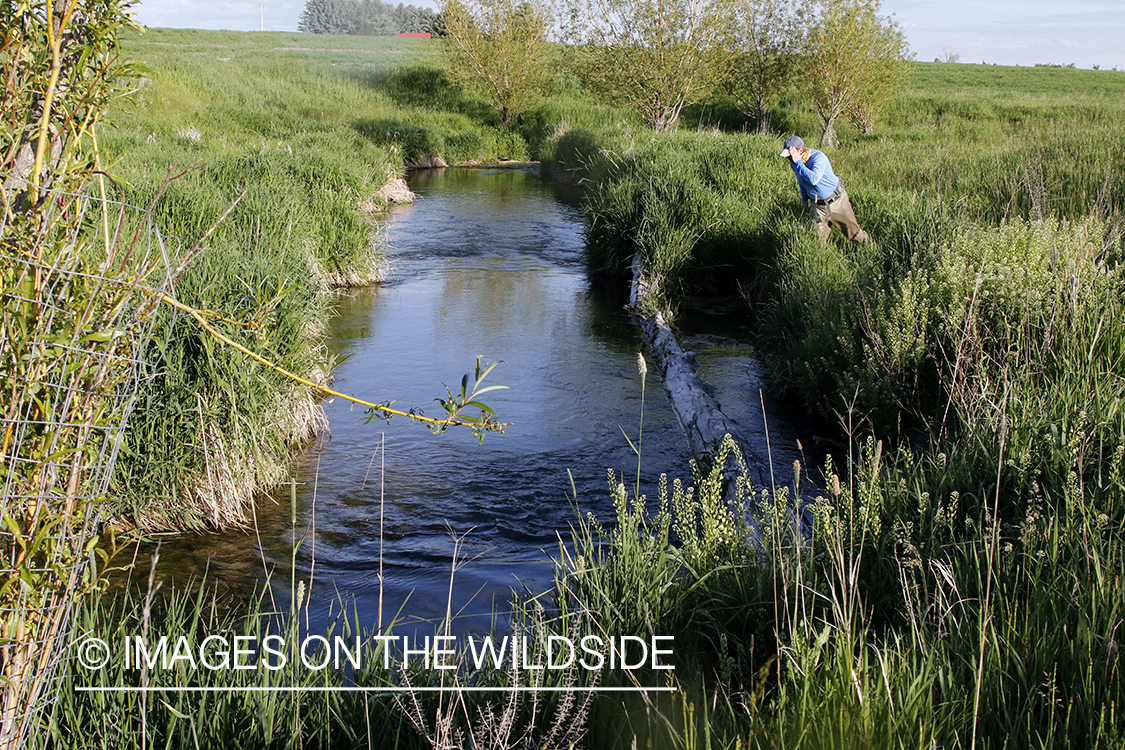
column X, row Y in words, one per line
column 822, row 193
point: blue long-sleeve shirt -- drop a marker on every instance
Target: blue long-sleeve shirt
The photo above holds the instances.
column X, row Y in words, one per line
column 815, row 177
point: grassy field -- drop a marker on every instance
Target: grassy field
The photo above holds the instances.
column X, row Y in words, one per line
column 964, row 581
column 298, row 133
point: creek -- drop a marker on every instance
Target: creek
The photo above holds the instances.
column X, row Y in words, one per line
column 488, row 262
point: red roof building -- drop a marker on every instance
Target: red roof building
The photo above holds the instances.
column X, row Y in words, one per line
column 414, row 35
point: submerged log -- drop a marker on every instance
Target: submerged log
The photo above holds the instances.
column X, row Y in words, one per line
column 699, row 414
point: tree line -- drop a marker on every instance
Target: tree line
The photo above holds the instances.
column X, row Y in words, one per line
column 366, row 18
column 656, row 57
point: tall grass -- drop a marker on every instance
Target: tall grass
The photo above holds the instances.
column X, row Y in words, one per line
column 959, row 587
column 903, row 620
column 242, row 710
column 298, row 133
column 264, row 704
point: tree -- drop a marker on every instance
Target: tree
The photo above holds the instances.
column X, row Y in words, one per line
column 363, row 17
column 652, row 56
column 73, row 320
column 768, row 35
column 855, row 60
column 328, row 17
column 375, row 18
column 498, row 49
column 888, row 62
column 413, row 19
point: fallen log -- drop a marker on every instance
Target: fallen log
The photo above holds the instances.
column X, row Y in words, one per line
column 699, row 414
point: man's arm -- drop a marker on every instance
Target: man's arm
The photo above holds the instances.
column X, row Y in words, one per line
column 813, row 170
column 800, row 182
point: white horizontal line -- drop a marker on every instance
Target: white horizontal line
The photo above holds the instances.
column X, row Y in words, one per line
column 451, row 689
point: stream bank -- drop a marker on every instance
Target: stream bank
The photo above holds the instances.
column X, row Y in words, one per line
column 487, row 262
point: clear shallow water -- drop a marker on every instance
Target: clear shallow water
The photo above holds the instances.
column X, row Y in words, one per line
column 488, row 262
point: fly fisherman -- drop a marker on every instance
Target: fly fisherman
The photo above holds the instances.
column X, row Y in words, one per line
column 822, row 193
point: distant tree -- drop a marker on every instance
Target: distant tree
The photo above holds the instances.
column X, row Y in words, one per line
column 950, row 55
column 328, row 17
column 375, row 18
column 855, row 61
column 414, row 20
column 437, row 25
column 364, row 17
column 498, row 49
column 767, row 36
column 653, row 56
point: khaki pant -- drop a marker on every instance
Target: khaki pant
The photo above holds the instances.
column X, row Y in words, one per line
column 839, row 214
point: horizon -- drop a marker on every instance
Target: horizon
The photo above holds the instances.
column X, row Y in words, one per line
column 991, row 32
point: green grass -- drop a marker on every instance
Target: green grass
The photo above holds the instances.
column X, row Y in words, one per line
column 297, row 132
column 239, row 712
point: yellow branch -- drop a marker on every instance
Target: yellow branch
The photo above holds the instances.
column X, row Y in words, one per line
column 199, row 317
column 54, row 40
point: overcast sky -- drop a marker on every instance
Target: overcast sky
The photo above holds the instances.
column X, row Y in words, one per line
column 1008, row 32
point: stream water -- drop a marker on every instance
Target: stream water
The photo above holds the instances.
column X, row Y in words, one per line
column 488, row 262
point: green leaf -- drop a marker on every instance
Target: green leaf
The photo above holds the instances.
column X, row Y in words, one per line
column 174, row 712
column 492, row 388
column 482, row 407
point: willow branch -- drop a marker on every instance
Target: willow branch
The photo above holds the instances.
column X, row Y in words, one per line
column 201, row 319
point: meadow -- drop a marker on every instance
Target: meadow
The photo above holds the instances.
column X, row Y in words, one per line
column 962, row 584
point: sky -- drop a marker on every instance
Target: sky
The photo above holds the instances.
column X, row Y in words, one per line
column 1006, row 32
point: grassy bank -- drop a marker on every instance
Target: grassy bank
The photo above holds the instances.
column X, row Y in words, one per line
column 298, row 133
column 960, row 587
